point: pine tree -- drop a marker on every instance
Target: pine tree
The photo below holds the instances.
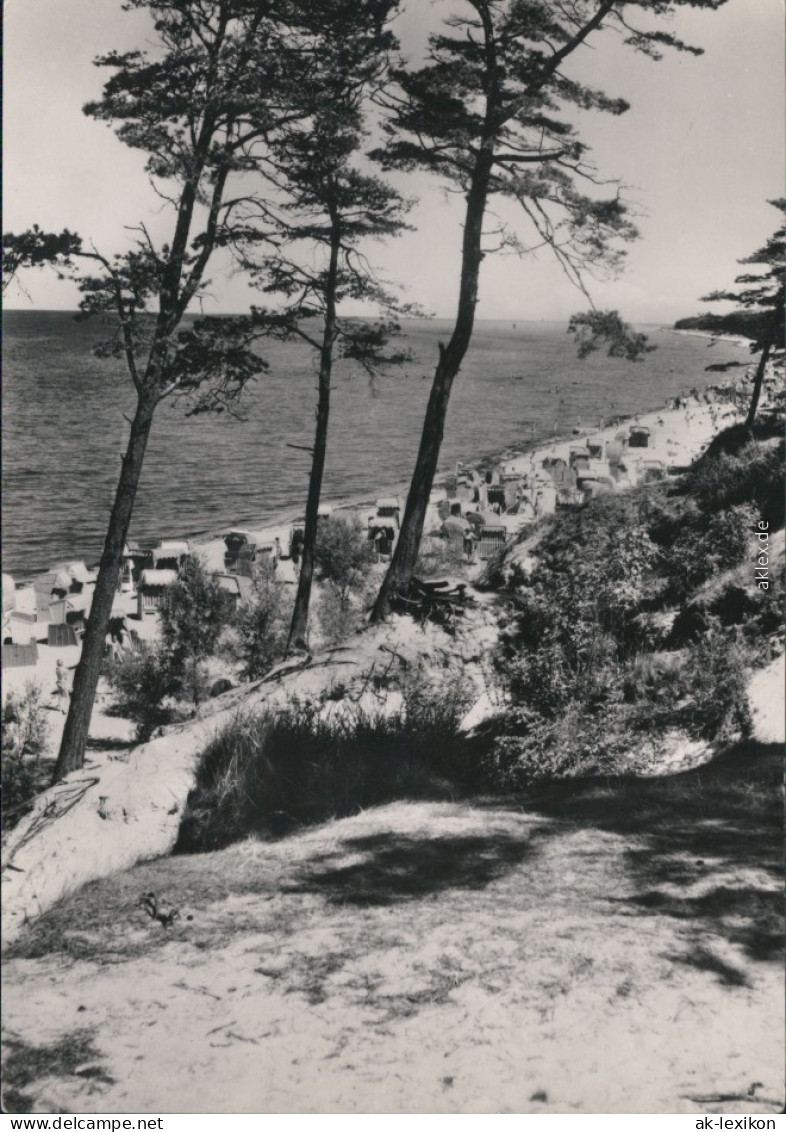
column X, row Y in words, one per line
column 487, row 115
column 764, row 294
column 325, row 210
column 203, row 104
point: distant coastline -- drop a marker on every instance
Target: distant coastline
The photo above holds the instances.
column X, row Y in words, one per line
column 735, row 339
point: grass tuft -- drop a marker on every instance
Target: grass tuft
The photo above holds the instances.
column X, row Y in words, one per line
column 267, row 774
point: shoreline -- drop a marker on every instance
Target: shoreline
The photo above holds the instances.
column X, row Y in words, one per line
column 204, row 540
column 39, row 535
column 517, row 459
column 732, row 339
column 481, row 460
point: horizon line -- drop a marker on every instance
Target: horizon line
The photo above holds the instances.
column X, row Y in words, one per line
column 407, row 318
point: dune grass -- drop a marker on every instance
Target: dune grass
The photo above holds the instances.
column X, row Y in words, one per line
column 273, row 772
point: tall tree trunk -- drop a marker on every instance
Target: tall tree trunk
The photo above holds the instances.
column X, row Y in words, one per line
column 298, row 632
column 402, row 565
column 72, row 746
column 760, row 369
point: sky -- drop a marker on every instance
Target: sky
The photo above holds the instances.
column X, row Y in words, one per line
column 701, row 150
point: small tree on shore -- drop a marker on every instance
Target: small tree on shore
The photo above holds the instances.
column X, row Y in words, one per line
column 203, row 104
column 261, row 623
column 142, row 680
column 194, row 615
column 485, row 115
column 764, row 294
column 343, row 556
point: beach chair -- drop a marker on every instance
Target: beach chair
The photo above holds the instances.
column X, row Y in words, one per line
column 170, row 554
column 639, row 437
column 61, row 636
column 21, row 627
column 650, row 471
column 496, row 496
column 234, row 542
column 20, row 656
column 152, row 590
column 491, row 540
column 389, row 510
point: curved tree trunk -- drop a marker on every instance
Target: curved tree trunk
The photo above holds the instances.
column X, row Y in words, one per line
column 298, row 632
column 72, row 746
column 402, row 565
column 760, row 370
column 405, row 556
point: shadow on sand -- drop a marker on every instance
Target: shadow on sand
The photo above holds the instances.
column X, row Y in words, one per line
column 72, row 1056
column 388, row 868
column 707, row 850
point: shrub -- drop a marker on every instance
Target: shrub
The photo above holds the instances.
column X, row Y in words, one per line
column 195, row 614
column 706, row 548
column 581, row 685
column 753, row 474
column 653, row 678
column 594, row 570
column 267, row 773
column 578, row 618
column 434, row 706
column 142, row 679
column 578, row 742
column 438, row 558
column 261, row 625
column 24, row 735
column 343, row 556
column 338, row 617
column 715, row 687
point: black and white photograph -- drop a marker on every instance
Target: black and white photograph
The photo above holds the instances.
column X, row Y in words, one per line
column 393, row 559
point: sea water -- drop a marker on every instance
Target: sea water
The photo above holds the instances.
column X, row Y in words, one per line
column 65, row 426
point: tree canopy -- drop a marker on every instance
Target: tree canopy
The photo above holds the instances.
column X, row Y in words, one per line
column 490, row 114
column 305, row 243
column 761, row 303
column 760, row 293
column 204, row 102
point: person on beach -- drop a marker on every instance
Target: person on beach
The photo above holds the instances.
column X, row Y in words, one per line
column 125, row 640
column 61, row 687
column 12, row 722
